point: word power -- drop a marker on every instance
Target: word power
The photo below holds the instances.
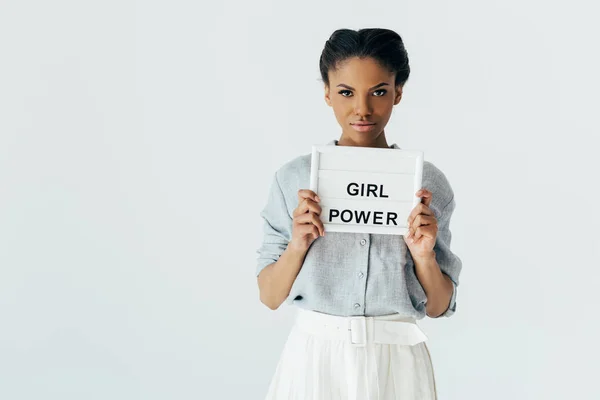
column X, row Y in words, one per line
column 363, row 217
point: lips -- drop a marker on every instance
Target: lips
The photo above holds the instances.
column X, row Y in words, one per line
column 363, row 126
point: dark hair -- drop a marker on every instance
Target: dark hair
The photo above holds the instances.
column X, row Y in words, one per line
column 383, row 45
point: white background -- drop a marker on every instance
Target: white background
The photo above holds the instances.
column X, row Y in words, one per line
column 138, row 141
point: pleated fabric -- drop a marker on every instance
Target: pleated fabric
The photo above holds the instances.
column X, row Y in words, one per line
column 320, row 368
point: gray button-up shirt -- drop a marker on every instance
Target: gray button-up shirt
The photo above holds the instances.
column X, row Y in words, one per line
column 351, row 274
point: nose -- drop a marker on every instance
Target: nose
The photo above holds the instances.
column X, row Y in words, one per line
column 362, row 106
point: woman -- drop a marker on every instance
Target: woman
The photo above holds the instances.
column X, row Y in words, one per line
column 358, row 295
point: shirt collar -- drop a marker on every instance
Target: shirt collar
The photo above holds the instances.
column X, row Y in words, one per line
column 334, row 142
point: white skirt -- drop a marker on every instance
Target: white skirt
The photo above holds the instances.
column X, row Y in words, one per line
column 328, row 357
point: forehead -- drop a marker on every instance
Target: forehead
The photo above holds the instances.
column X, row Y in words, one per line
column 360, row 71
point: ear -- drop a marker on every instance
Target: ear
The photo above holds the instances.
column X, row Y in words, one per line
column 398, row 94
column 327, row 96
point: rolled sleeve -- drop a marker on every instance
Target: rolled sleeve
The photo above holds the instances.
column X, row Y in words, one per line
column 449, row 263
column 277, row 227
column 452, row 305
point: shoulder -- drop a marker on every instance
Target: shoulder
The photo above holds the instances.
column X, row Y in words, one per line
column 294, row 175
column 293, row 168
column 438, row 184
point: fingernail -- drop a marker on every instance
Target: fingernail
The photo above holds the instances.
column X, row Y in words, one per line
column 318, row 198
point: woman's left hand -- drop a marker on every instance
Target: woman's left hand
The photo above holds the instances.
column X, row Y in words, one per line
column 423, row 228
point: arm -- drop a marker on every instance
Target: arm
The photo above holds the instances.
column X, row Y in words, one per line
column 279, row 259
column 275, row 280
column 438, row 268
column 437, row 286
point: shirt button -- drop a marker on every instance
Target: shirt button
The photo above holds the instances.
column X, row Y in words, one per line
column 360, row 274
column 356, row 305
column 363, row 242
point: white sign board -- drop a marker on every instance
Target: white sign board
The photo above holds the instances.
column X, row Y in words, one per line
column 366, row 189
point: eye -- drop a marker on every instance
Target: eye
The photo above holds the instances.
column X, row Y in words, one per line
column 383, row 92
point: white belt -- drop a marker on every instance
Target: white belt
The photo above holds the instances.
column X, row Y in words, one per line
column 360, row 331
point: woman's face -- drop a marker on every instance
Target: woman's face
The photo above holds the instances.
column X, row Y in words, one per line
column 361, row 90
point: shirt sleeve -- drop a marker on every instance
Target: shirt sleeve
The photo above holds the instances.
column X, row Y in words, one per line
column 277, row 227
column 449, row 263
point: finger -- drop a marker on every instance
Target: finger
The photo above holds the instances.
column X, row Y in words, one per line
column 423, row 220
column 424, row 231
column 423, row 237
column 307, row 194
column 311, row 218
column 304, row 229
column 425, row 196
column 305, row 218
column 420, row 208
column 308, row 229
column 305, row 206
column 319, row 224
column 415, row 211
column 417, row 231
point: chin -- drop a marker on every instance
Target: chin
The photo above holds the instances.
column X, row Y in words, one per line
column 364, row 137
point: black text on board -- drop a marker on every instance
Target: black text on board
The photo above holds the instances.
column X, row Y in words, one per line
column 363, row 217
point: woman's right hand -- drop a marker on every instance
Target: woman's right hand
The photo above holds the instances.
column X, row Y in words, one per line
column 307, row 226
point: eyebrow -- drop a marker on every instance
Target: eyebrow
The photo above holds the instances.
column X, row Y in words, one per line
column 373, row 88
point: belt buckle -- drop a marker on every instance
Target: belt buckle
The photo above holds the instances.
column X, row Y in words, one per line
column 357, row 331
